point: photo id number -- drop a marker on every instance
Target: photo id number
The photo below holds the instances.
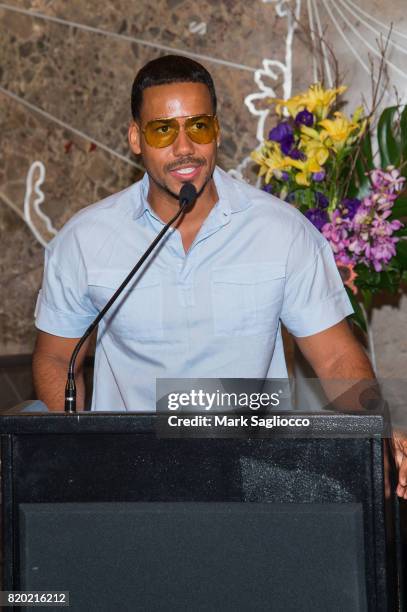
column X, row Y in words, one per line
column 34, row 598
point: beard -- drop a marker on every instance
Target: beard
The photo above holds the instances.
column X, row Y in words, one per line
column 196, row 161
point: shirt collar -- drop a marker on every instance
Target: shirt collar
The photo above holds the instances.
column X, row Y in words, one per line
column 142, row 205
column 231, row 199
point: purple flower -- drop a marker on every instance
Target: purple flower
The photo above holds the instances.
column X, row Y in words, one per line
column 321, row 200
column 304, row 117
column 318, row 177
column 268, row 188
column 317, row 217
column 286, row 144
column 357, row 246
column 296, row 154
column 384, row 201
column 343, row 258
column 283, row 134
column 388, row 180
column 381, row 253
column 381, row 227
column 396, row 225
column 285, row 176
column 362, row 217
column 337, row 233
column 349, row 207
column 282, row 131
column 360, row 232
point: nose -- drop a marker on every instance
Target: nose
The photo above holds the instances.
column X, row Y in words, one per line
column 183, row 145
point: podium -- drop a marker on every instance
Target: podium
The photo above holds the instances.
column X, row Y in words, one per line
column 97, row 505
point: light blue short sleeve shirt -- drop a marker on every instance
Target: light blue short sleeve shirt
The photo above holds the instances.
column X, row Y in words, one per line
column 215, row 311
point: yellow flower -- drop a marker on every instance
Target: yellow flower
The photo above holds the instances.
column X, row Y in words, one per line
column 337, row 132
column 313, row 145
column 271, row 161
column 293, row 105
column 316, row 100
column 306, row 167
column 316, row 150
column 319, row 100
column 309, row 133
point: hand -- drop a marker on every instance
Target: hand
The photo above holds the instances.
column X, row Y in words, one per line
column 400, row 456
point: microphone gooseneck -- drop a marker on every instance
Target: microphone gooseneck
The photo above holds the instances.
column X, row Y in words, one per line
column 186, row 198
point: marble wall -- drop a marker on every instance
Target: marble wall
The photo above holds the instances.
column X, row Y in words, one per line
column 66, row 70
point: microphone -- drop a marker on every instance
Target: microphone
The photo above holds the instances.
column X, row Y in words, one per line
column 187, row 195
column 186, row 198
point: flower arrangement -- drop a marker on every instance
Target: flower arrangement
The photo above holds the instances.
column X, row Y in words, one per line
column 321, row 160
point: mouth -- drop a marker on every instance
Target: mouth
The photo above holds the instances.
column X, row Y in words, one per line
column 186, row 173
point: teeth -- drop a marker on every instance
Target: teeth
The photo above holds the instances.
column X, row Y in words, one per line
column 185, row 170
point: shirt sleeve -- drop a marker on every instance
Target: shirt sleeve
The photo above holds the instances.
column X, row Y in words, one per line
column 314, row 296
column 64, row 307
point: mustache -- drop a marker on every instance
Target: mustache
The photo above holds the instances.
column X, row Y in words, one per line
column 180, row 163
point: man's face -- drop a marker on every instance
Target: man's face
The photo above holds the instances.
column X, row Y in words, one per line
column 183, row 160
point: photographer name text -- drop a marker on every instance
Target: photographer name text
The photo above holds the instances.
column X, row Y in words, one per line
column 241, row 421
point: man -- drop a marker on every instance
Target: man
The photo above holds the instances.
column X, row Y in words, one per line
column 209, row 302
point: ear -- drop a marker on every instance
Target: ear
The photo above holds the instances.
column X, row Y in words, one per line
column 134, row 136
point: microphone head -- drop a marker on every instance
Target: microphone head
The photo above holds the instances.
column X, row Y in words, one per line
column 187, row 195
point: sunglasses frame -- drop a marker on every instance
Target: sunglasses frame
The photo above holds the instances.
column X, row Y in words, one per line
column 215, row 117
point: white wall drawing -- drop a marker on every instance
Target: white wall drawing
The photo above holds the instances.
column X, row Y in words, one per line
column 271, row 71
column 33, row 199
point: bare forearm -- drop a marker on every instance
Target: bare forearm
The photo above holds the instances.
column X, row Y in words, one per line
column 49, row 375
column 342, row 366
column 350, row 364
column 349, row 381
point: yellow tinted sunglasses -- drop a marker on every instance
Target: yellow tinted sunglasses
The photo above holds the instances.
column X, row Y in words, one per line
column 161, row 133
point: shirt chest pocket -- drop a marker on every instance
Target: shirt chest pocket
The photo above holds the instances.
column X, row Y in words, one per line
column 247, row 298
column 137, row 313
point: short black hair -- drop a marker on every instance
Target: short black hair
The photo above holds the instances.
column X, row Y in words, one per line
column 165, row 70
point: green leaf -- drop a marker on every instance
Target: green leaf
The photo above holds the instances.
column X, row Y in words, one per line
column 360, row 184
column 401, row 254
column 358, row 317
column 369, row 281
column 403, row 137
column 361, row 270
column 399, row 208
column 396, row 265
column 375, row 277
column 386, row 280
column 309, row 198
column 389, row 140
column 401, row 232
column 298, row 198
column 367, row 299
column 364, row 277
column 367, row 151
